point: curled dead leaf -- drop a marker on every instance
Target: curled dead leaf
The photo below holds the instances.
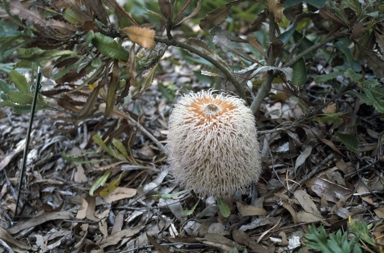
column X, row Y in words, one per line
column 277, row 9
column 145, row 37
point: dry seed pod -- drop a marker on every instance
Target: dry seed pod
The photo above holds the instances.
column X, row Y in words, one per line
column 212, row 143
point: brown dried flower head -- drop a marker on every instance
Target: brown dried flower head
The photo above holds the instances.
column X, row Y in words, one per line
column 212, row 142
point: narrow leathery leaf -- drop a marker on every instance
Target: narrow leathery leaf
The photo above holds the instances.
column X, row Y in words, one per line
column 190, row 211
column 317, row 3
column 149, row 77
column 71, row 16
column 353, row 75
column 223, row 207
column 19, row 81
column 349, row 141
column 97, row 139
column 215, row 17
column 182, row 9
column 99, row 10
column 299, row 73
column 201, row 44
column 193, row 14
column 110, row 187
column 111, row 96
column 254, row 43
column 89, row 106
column 145, row 37
column 166, row 9
column 100, row 182
column 326, row 77
column 121, row 148
column 221, row 39
column 124, row 18
column 168, row 94
column 109, row 47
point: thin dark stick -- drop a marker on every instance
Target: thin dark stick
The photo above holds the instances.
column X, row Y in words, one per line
column 37, row 87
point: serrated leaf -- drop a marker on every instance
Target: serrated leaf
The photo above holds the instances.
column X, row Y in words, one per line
column 20, row 98
column 99, row 182
column 4, row 86
column 223, row 207
column 353, row 75
column 327, row 77
column 349, row 141
column 299, row 73
column 19, row 81
column 215, row 17
column 145, row 37
column 109, row 47
column 72, row 17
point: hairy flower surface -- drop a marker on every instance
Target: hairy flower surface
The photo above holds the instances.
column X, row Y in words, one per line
column 212, row 142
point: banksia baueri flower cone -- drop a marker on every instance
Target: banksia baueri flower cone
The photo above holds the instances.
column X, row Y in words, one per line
column 212, row 143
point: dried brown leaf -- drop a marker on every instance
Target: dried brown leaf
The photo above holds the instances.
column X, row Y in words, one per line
column 157, row 246
column 38, row 220
column 323, row 187
column 118, row 236
column 99, row 10
column 253, row 42
column 90, row 106
column 166, row 9
column 306, row 202
column 243, row 238
column 120, row 193
column 277, row 9
column 247, row 210
column 4, row 235
column 145, row 37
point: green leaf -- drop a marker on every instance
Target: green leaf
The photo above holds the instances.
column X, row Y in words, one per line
column 349, row 141
column 6, row 67
column 190, row 211
column 223, row 207
column 109, row 47
column 97, row 139
column 299, row 73
column 327, row 77
column 121, row 148
column 100, row 182
column 353, row 75
column 72, row 17
column 4, row 86
column 20, row 81
column 20, row 98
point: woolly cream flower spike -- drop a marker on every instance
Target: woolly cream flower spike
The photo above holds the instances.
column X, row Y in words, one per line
column 212, row 143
